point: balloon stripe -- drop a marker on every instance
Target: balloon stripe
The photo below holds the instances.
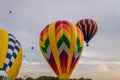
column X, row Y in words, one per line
column 86, row 21
column 67, row 34
column 52, row 63
column 45, row 36
column 61, row 33
column 14, row 69
column 89, row 37
column 62, row 28
column 90, row 27
column 63, row 47
column 5, row 66
column 79, row 45
column 46, row 44
column 67, row 28
column 93, row 31
column 62, row 25
column 12, row 40
column 11, row 53
column 3, row 46
column 73, row 64
column 48, row 52
column 66, row 23
column 11, row 36
column 43, row 32
column 53, row 44
column 58, row 29
column 82, row 26
column 65, row 40
column 73, row 44
column 63, row 60
column 91, row 34
column 80, row 36
column 50, row 60
column 57, row 24
column 85, row 27
column 76, row 56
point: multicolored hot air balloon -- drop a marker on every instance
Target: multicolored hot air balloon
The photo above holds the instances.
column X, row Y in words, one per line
column 61, row 44
column 10, row 55
column 88, row 27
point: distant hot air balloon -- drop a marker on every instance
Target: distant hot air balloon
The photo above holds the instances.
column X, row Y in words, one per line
column 88, row 27
column 61, row 44
column 32, row 47
column 10, row 12
column 10, row 55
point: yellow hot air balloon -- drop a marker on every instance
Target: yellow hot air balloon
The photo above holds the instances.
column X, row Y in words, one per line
column 10, row 55
column 61, row 44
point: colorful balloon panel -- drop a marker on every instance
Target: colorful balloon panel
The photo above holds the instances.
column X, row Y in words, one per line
column 61, row 44
column 88, row 27
column 10, row 54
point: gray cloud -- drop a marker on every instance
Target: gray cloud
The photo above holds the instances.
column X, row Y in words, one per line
column 29, row 17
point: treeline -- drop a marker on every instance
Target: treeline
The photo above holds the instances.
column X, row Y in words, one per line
column 53, row 78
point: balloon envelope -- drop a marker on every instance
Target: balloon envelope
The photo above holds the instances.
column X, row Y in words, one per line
column 10, row 54
column 61, row 44
column 88, row 27
column 32, row 47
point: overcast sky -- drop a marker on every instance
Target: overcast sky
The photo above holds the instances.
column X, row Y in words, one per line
column 100, row 61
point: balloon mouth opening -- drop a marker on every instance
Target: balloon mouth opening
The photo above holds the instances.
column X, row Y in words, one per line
column 63, row 77
column 87, row 44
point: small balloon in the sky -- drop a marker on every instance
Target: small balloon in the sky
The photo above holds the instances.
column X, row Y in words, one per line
column 89, row 28
column 32, row 47
column 10, row 12
column 24, row 56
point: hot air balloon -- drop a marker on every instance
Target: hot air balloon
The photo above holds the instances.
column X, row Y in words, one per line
column 88, row 27
column 61, row 44
column 32, row 47
column 10, row 55
column 10, row 12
